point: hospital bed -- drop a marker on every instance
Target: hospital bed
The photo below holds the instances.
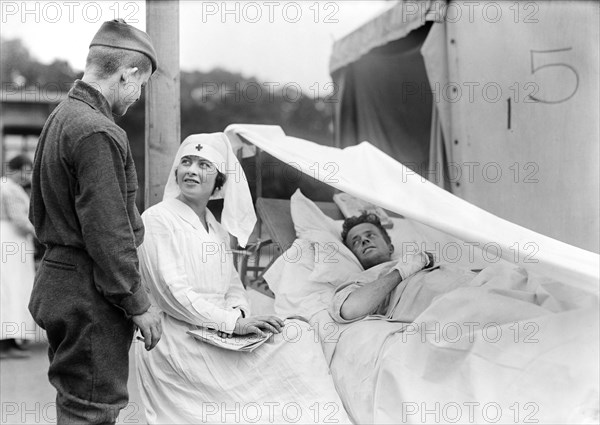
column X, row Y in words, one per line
column 392, row 372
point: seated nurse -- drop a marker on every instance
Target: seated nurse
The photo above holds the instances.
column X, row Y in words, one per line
column 186, row 265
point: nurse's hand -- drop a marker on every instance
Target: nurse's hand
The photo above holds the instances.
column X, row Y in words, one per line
column 258, row 324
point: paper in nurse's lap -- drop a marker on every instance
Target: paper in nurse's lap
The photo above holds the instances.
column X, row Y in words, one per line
column 235, row 343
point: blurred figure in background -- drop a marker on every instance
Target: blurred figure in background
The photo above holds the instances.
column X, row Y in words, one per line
column 18, row 266
column 25, row 181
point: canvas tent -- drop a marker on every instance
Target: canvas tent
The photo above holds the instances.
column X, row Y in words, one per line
column 498, row 102
column 372, row 68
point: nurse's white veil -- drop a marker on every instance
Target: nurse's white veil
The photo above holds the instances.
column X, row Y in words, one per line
column 238, row 216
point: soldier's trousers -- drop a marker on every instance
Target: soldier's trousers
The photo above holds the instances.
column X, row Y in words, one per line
column 89, row 339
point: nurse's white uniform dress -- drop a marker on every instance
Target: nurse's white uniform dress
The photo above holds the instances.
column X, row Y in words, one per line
column 193, row 281
column 17, row 271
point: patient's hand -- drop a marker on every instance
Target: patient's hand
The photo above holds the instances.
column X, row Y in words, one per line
column 258, row 324
column 409, row 264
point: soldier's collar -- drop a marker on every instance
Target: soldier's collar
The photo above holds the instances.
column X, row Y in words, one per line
column 92, row 96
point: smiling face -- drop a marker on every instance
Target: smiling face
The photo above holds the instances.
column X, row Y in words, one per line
column 369, row 245
column 195, row 177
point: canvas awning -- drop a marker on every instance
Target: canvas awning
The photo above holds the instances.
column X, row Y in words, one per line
column 393, row 24
column 377, row 69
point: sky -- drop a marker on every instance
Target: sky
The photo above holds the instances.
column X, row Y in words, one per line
column 275, row 41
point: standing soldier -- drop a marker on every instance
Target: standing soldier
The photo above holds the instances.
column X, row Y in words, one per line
column 87, row 293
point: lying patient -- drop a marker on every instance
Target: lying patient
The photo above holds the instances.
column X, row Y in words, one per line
column 391, row 288
column 503, row 337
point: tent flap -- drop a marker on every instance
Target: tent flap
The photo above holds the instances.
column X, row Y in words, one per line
column 393, row 24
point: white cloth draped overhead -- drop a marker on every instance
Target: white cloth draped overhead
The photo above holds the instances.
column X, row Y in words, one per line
column 367, row 173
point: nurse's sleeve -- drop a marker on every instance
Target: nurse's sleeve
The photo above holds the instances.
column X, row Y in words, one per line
column 236, row 294
column 16, row 207
column 162, row 261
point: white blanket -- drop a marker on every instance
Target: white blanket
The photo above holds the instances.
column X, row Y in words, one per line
column 506, row 347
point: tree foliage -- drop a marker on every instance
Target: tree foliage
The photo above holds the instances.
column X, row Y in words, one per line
column 18, row 67
column 210, row 101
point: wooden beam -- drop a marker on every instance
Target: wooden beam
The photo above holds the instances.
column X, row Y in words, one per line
column 163, row 113
column 3, row 169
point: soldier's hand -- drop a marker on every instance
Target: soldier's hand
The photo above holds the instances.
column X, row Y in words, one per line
column 150, row 326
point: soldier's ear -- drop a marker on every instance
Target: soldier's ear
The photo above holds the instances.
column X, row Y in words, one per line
column 128, row 73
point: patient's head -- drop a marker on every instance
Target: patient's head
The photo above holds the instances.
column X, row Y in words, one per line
column 367, row 239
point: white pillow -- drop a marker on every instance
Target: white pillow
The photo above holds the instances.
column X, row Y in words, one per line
column 289, row 279
column 334, row 263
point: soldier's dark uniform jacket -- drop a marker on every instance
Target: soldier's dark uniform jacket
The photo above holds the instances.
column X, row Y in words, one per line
column 88, row 285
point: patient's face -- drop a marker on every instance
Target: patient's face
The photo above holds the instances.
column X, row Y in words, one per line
column 369, row 245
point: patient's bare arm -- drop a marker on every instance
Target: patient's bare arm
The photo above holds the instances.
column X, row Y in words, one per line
column 368, row 297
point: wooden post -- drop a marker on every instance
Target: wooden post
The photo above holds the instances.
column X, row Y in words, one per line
column 163, row 111
column 3, row 169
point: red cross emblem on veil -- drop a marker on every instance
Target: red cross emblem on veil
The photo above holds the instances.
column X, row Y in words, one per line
column 198, row 147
